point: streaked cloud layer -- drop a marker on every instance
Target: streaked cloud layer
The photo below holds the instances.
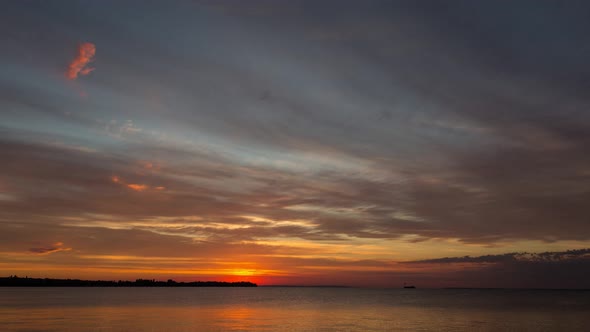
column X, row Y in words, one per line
column 292, row 141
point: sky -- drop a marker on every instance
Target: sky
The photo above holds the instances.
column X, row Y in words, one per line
column 285, row 142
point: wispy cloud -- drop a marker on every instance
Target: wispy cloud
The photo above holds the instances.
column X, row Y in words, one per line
column 45, row 250
column 430, row 141
column 137, row 187
column 134, row 186
column 79, row 66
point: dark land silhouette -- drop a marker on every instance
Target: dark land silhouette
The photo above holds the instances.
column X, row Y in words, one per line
column 14, row 281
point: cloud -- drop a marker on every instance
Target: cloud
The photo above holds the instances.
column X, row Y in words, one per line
column 204, row 184
column 559, row 269
column 78, row 66
column 134, row 186
column 56, row 247
column 137, row 187
column 437, row 137
column 550, row 256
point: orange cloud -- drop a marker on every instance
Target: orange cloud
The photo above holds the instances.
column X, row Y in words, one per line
column 77, row 67
column 134, row 186
column 137, row 187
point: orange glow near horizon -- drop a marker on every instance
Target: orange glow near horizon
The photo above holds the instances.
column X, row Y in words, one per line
column 299, row 264
column 243, row 272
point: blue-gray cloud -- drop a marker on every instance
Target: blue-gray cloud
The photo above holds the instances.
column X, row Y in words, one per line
column 349, row 115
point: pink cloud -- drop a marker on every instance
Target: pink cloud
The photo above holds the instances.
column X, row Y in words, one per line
column 78, row 66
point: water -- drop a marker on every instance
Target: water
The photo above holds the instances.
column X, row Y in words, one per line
column 291, row 309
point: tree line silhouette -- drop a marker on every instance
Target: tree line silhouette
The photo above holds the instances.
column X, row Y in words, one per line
column 14, row 281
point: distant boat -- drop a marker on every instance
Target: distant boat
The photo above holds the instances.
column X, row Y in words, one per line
column 409, row 286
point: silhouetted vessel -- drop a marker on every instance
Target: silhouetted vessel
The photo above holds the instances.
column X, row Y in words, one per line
column 409, row 286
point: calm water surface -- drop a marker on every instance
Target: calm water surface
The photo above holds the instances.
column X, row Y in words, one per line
column 291, row 309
